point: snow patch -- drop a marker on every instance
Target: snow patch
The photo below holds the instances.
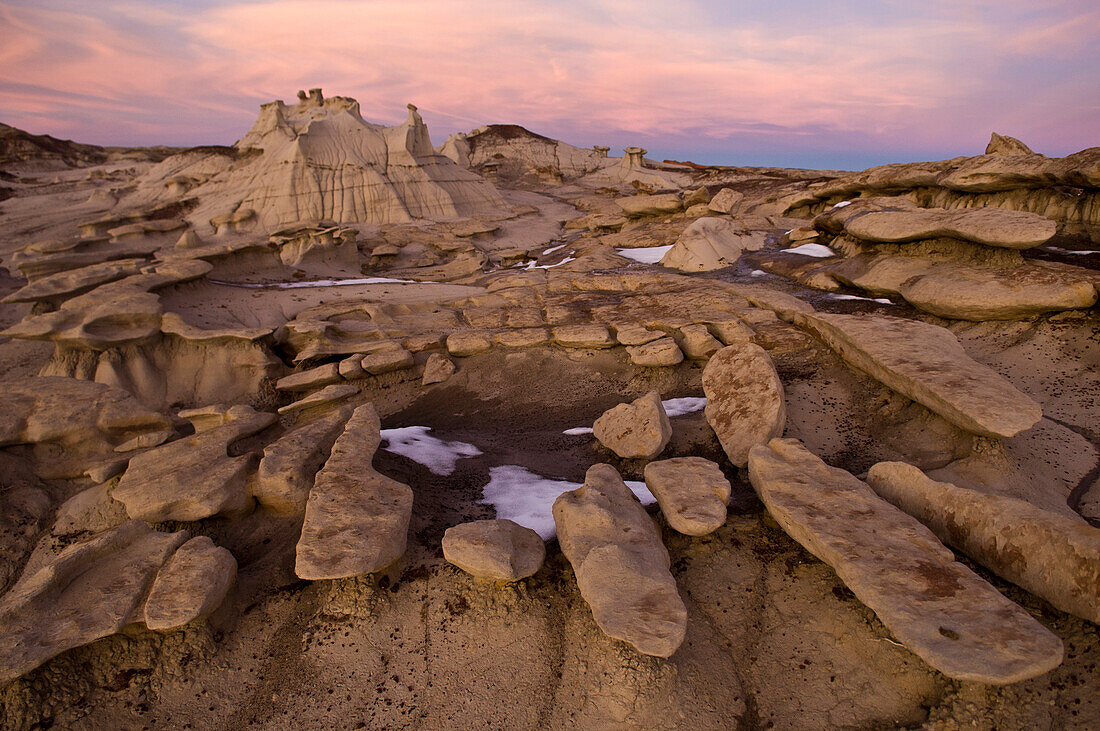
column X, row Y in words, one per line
column 842, row 204
column 815, row 250
column 578, row 430
column 319, row 283
column 758, row 273
column 686, row 405
column 436, row 454
column 880, row 300
column 646, row 254
column 552, row 249
column 527, row 498
column 535, row 265
column 1069, row 251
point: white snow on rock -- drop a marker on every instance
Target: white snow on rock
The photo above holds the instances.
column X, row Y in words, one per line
column 880, row 300
column 535, row 265
column 578, row 430
column 814, row 250
column 436, row 454
column 552, row 249
column 686, row 405
column 319, row 283
column 527, row 498
column 842, row 204
column 645, row 254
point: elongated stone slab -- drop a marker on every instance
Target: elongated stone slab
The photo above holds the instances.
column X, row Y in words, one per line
column 357, row 520
column 745, row 404
column 622, row 566
column 935, row 606
column 285, row 475
column 692, row 492
column 1048, row 554
column 89, row 591
column 191, row 585
column 927, row 364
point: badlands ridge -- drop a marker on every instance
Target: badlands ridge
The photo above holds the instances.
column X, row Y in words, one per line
column 334, row 428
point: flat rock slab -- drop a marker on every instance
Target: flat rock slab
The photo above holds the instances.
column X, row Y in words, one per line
column 935, row 606
column 660, row 353
column 638, row 429
column 1048, row 554
column 989, row 226
column 692, row 492
column 437, row 369
column 927, row 364
column 191, row 585
column 285, row 475
column 622, row 567
column 193, row 478
column 583, row 336
column 327, row 398
column 89, row 591
column 312, row 379
column 500, row 550
column 637, row 206
column 357, row 520
column 745, row 403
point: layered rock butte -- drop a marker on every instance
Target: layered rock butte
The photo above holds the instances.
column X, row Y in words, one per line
column 285, row 426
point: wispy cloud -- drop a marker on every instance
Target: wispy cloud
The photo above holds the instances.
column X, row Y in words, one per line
column 710, row 77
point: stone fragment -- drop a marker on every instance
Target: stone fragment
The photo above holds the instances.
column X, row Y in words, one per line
column 638, row 429
column 639, row 206
column 711, row 243
column 697, row 342
column 90, row 590
column 191, row 585
column 659, row 353
column 60, row 286
column 528, row 337
column 75, row 425
column 635, row 334
column 745, row 403
column 935, row 606
column 437, row 369
column 192, row 478
column 725, row 200
column 799, row 235
column 314, row 378
column 927, row 364
column 731, row 331
column 1048, row 554
column 463, row 344
column 500, row 550
column 351, row 367
column 357, row 520
column 323, row 399
column 285, row 475
column 583, row 336
column 989, row 226
column 696, row 197
column 1005, row 145
column 692, row 492
column 387, row 361
column 622, row 567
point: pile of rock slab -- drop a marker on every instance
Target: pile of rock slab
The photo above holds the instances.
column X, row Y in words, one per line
column 621, row 565
column 939, row 609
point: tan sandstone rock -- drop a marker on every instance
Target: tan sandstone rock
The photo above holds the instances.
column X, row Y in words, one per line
column 386, row 361
column 583, row 336
column 638, row 206
column 725, row 200
column 312, row 379
column 1005, row 145
column 463, row 344
column 90, row 590
column 437, row 369
column 1045, row 553
column 745, row 403
column 357, row 520
column 191, row 585
column 932, row 604
column 709, row 244
column 692, row 492
column 622, row 567
column 500, row 550
column 697, row 342
column 927, row 364
column 285, row 476
column 659, row 353
column 638, row 429
column 193, row 478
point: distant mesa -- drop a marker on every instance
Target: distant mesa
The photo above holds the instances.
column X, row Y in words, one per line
column 320, row 160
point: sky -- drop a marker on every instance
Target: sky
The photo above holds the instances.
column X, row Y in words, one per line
column 822, row 84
